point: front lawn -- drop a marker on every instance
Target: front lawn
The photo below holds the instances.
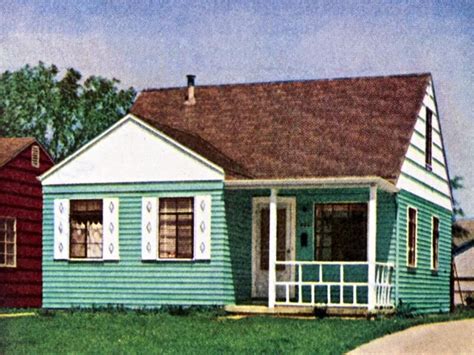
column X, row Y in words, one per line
column 197, row 333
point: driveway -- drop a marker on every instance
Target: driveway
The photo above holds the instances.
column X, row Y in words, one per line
column 439, row 338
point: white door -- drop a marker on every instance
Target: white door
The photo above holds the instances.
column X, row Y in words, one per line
column 260, row 243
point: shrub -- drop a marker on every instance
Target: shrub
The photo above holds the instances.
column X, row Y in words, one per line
column 405, row 310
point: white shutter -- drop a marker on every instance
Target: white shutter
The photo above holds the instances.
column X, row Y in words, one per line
column 202, row 227
column 149, row 228
column 110, row 223
column 61, row 229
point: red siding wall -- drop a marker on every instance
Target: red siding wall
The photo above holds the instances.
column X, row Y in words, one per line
column 21, row 198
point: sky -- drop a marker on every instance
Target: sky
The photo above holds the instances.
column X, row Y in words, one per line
column 156, row 43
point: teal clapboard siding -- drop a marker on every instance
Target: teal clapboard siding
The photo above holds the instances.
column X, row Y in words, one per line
column 239, row 226
column 424, row 290
column 227, row 278
column 130, row 281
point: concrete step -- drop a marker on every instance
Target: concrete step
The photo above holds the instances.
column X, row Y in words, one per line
column 303, row 311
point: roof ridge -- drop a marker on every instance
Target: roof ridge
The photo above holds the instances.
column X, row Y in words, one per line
column 295, row 81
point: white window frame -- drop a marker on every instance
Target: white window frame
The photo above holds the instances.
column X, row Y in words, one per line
column 408, row 237
column 115, row 256
column 433, row 268
column 15, row 251
column 428, row 165
column 202, row 228
column 158, row 229
column 85, row 259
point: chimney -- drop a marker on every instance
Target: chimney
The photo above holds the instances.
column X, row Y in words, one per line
column 190, row 99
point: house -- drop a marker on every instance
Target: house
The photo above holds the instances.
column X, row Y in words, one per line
column 22, row 160
column 463, row 264
column 328, row 193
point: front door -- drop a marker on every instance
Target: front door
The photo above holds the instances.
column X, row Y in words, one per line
column 260, row 244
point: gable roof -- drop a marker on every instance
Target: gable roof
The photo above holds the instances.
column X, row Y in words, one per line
column 11, row 147
column 108, row 133
column 295, row 129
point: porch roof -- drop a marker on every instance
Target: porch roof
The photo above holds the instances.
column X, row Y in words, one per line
column 311, row 183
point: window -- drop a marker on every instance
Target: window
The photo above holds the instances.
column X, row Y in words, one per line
column 176, row 228
column 7, row 242
column 35, row 156
column 434, row 243
column 428, row 138
column 412, row 225
column 86, row 229
column 341, row 232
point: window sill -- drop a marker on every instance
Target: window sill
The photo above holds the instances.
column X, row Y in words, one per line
column 8, row 266
column 86, row 260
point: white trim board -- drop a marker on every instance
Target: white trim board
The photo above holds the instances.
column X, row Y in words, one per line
column 132, row 151
column 313, row 183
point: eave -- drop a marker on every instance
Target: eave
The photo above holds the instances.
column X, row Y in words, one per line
column 312, row 183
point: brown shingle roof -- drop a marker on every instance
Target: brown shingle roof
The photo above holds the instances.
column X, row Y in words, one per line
column 11, row 147
column 315, row 128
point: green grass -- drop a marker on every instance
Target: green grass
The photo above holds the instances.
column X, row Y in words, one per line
column 197, row 333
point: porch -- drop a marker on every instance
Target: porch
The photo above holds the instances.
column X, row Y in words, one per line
column 293, row 272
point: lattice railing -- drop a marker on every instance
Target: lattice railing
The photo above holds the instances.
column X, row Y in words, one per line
column 333, row 284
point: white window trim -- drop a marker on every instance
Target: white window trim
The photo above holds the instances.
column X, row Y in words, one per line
column 15, row 250
column 158, row 232
column 428, row 166
column 431, row 241
column 412, row 266
column 87, row 259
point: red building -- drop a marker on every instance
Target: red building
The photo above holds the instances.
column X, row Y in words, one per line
column 21, row 161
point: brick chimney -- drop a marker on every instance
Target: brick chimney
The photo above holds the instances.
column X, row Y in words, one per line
column 190, row 99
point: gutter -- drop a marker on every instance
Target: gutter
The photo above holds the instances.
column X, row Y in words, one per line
column 308, row 183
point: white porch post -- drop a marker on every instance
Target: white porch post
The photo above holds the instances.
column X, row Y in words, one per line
column 272, row 249
column 372, row 245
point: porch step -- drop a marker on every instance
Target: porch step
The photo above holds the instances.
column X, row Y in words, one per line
column 279, row 310
column 303, row 311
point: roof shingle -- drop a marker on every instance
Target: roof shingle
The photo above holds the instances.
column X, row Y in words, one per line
column 11, row 147
column 299, row 129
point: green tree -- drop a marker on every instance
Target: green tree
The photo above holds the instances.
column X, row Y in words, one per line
column 457, row 184
column 62, row 113
column 456, row 230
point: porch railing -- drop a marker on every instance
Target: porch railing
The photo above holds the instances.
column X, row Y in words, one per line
column 333, row 284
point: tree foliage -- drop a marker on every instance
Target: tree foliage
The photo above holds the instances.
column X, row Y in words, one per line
column 457, row 230
column 457, row 184
column 62, row 113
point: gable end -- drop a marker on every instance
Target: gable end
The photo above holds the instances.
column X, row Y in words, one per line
column 429, row 181
column 132, row 151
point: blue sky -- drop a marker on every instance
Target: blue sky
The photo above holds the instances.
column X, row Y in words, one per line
column 155, row 43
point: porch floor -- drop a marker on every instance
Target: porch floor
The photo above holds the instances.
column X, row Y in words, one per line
column 303, row 311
